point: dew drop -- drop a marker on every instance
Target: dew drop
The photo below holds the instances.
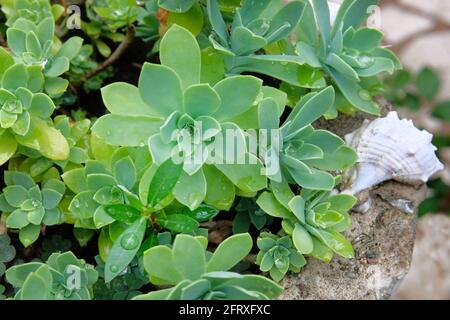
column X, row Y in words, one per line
column 114, row 268
column 365, row 95
column 194, row 199
column 76, row 203
column 35, row 203
column 129, row 241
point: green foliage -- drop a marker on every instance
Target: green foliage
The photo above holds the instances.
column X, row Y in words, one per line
column 314, row 219
column 124, row 287
column 168, row 123
column 249, row 213
column 278, row 255
column 306, row 153
column 197, row 274
column 62, row 277
column 29, row 206
column 32, row 44
column 106, row 19
column 25, row 114
column 157, row 178
column 7, row 253
column 254, row 26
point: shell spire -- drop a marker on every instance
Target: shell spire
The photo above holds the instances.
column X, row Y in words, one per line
column 391, row 149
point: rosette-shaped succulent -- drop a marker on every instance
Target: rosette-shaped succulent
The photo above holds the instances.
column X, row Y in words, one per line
column 25, row 115
column 197, row 274
column 278, row 255
column 314, row 219
column 182, row 119
column 62, row 277
column 32, row 43
column 28, row 206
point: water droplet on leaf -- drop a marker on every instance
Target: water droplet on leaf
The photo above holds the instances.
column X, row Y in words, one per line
column 129, row 241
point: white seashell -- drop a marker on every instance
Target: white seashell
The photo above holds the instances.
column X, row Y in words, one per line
column 391, row 149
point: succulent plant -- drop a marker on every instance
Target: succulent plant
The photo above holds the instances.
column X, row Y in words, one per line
column 249, row 213
column 305, row 154
column 170, row 124
column 278, row 255
column 29, row 206
column 32, row 43
column 62, row 277
column 199, row 275
column 314, row 219
column 25, row 114
column 7, row 253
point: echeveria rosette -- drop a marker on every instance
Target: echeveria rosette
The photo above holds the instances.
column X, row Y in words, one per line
column 33, row 45
column 25, row 116
column 78, row 138
column 28, row 206
column 197, row 274
column 305, row 154
column 115, row 14
column 169, row 97
column 257, row 41
column 314, row 219
column 32, row 10
column 62, row 277
column 349, row 54
column 99, row 184
column 278, row 255
column 254, row 26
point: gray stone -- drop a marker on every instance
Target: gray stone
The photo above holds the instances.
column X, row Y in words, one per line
column 430, row 267
column 383, row 239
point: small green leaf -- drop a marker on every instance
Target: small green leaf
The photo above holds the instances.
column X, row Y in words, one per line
column 230, row 252
column 163, row 182
column 186, row 63
column 29, row 234
column 178, row 223
column 428, row 83
column 123, row 212
column 156, row 79
column 125, row 248
column 302, row 240
column 238, row 94
column 189, row 257
column 128, row 131
column 272, row 207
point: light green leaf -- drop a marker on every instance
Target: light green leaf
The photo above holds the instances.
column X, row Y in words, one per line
column 302, row 240
column 201, row 100
column 187, row 62
column 191, row 190
column 125, row 249
column 238, row 94
column 155, row 82
column 124, row 99
column 230, row 252
column 189, row 257
column 269, row 204
column 128, row 131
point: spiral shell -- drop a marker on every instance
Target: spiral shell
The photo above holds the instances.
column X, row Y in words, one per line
column 391, row 149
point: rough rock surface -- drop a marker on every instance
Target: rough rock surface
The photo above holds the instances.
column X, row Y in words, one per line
column 383, row 238
column 430, row 267
column 382, row 234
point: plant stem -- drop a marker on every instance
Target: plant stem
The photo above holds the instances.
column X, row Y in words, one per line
column 3, row 229
column 129, row 37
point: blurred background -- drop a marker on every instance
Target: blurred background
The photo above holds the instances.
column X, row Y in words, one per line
column 419, row 32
